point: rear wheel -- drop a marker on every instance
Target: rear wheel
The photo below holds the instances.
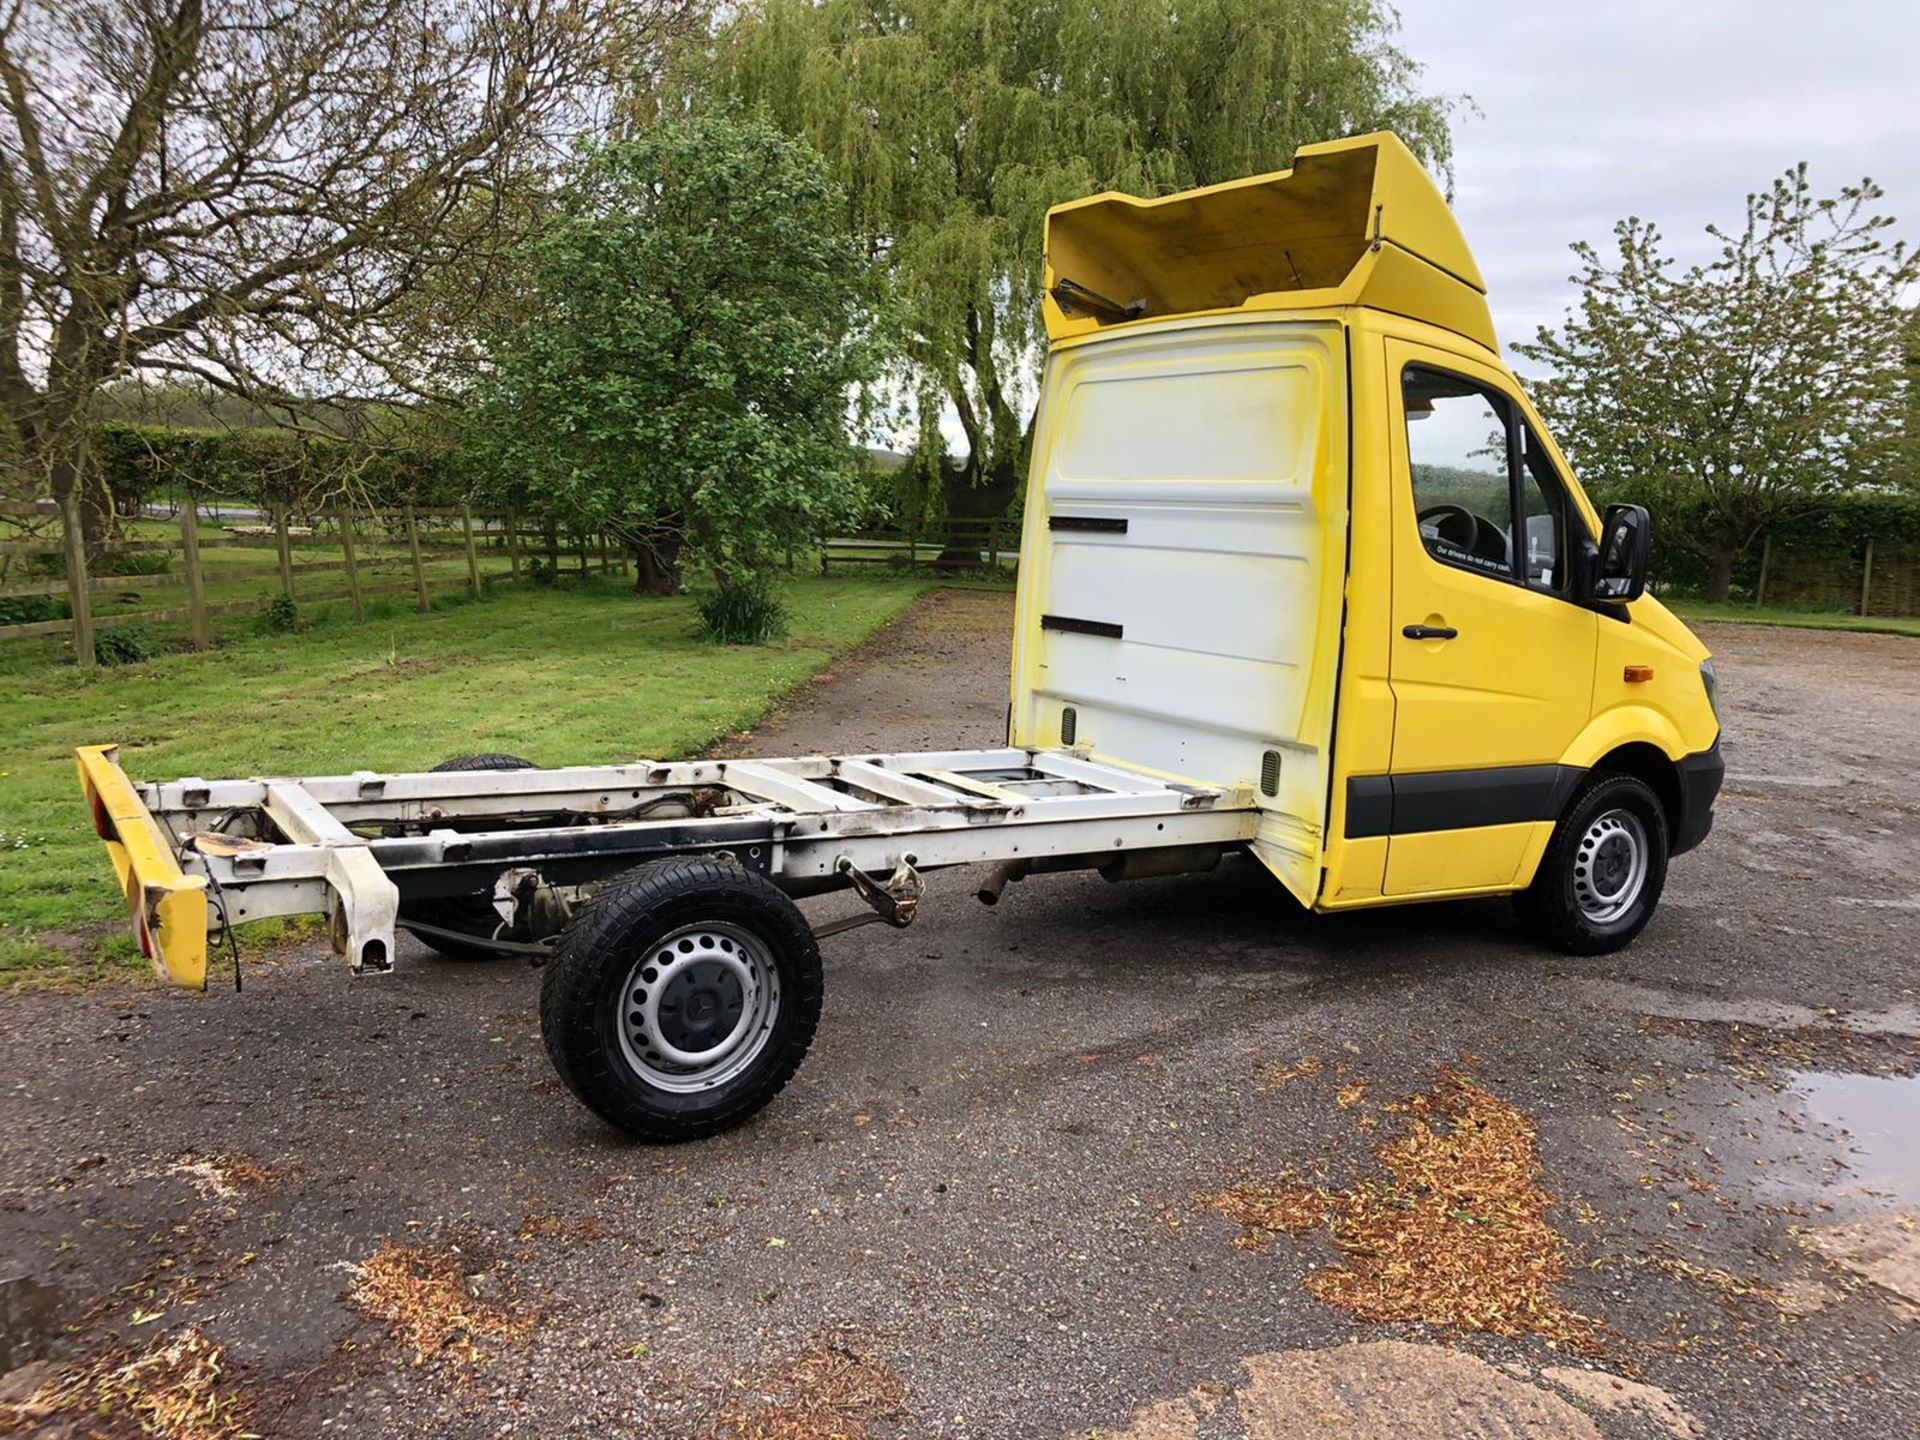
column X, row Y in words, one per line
column 474, row 914
column 683, row 999
column 1603, row 870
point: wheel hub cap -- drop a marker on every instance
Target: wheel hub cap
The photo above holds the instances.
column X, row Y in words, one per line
column 700, row 1005
column 1610, row 866
column 697, row 1008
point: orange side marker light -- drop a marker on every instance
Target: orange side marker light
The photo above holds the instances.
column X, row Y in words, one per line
column 1637, row 674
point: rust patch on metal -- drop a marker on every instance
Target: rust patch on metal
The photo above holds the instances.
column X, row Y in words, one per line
column 225, row 847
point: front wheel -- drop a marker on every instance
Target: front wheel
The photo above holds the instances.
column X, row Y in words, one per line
column 1603, row 870
column 683, row 999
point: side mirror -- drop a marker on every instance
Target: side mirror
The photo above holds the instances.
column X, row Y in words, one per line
column 1619, row 572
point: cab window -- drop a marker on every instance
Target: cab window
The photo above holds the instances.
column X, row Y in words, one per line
column 1544, row 503
column 1460, row 450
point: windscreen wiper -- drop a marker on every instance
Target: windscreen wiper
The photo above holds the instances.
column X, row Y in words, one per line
column 1072, row 295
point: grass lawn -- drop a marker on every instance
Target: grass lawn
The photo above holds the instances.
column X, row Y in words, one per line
column 1736, row 614
column 587, row 673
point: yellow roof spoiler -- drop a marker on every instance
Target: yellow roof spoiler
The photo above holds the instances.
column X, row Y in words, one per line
column 1354, row 222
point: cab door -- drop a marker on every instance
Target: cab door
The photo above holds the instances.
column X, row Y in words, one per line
column 1491, row 659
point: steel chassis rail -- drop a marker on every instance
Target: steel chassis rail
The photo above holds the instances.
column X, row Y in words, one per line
column 353, row 847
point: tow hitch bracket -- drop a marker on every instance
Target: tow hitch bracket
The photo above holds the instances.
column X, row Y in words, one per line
column 896, row 901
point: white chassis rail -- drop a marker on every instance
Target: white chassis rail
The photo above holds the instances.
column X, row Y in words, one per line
column 352, row 846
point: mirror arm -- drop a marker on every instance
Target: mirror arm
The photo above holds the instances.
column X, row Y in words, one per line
column 1586, row 566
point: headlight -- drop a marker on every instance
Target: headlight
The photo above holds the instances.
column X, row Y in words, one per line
column 1711, row 684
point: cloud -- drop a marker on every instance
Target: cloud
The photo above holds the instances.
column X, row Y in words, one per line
column 1673, row 111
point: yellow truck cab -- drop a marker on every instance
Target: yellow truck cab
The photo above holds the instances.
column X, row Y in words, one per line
column 1292, row 525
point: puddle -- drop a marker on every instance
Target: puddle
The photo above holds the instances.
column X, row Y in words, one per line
column 1880, row 1117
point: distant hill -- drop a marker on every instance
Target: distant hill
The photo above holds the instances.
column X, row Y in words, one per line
column 885, row 461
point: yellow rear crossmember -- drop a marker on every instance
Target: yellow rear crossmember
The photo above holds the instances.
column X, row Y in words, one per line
column 168, row 907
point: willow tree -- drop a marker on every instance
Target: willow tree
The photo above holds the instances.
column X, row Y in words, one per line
column 952, row 125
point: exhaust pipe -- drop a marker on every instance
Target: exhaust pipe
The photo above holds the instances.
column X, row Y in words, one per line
column 1130, row 865
column 997, row 878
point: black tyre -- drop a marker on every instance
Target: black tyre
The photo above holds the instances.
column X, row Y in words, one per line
column 472, row 913
column 1603, row 870
column 683, row 999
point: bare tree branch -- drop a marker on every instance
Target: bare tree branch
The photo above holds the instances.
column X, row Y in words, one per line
column 293, row 200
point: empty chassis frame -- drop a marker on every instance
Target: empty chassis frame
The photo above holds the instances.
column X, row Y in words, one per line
column 198, row 855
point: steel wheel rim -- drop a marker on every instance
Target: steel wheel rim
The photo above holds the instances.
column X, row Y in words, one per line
column 698, row 1008
column 1610, row 866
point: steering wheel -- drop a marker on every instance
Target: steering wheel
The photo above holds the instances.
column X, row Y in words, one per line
column 1466, row 531
column 1454, row 524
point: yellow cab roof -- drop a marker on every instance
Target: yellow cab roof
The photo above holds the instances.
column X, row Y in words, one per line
column 1354, row 222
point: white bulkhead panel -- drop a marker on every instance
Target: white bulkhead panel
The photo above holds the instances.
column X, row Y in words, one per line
column 1182, row 554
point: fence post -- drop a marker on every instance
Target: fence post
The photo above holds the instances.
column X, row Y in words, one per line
column 1766, row 563
column 286, row 549
column 993, row 549
column 1866, row 577
column 553, row 549
column 473, row 558
column 913, row 551
column 585, row 542
column 344, row 518
column 79, row 598
column 513, row 540
column 413, row 546
column 196, row 582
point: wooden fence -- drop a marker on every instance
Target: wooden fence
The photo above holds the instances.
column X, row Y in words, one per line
column 992, row 547
column 247, row 563
column 1878, row 579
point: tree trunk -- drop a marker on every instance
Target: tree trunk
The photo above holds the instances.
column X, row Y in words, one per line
column 66, row 475
column 1720, row 572
column 656, row 555
column 966, row 499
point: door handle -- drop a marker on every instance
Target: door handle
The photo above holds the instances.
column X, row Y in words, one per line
column 1429, row 632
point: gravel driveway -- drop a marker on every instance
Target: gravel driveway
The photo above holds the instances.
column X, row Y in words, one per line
column 980, row 1208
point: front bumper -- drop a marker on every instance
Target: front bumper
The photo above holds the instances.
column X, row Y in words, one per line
column 1700, row 777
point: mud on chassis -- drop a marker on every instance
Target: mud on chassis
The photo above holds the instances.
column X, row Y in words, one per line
column 682, row 983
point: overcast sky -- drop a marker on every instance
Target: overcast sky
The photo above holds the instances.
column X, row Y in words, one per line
column 1672, row 110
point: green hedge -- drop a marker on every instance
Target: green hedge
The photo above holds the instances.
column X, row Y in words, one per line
column 142, row 463
column 1834, row 531
column 1843, row 524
